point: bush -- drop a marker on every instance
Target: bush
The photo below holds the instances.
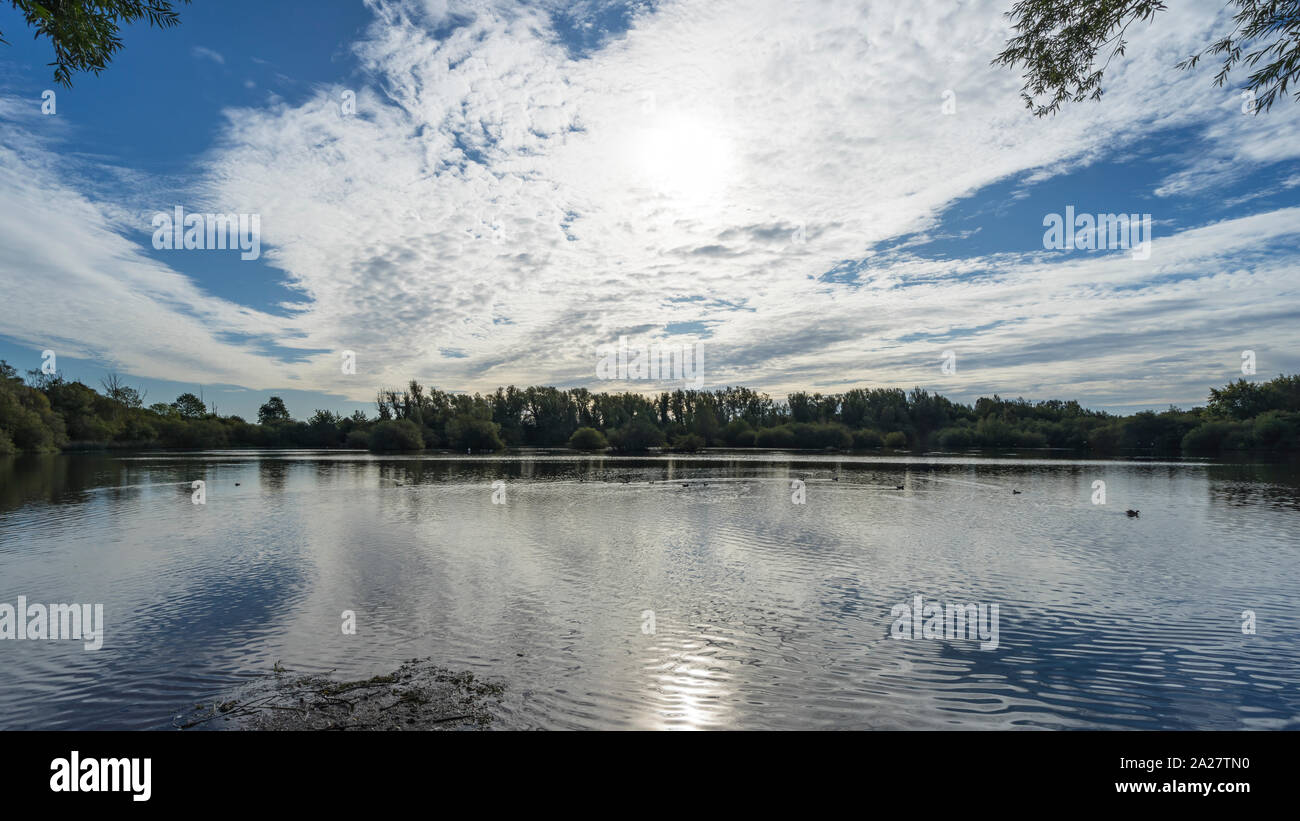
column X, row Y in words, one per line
column 1105, row 439
column 867, row 439
column 1211, row 437
column 779, row 437
column 472, row 433
column 991, row 432
column 588, row 439
column 193, row 434
column 689, row 443
column 396, row 434
column 1276, row 429
column 896, row 439
column 138, row 430
column 26, row 417
column 821, row 436
column 743, row 439
column 1030, row 439
column 738, row 433
column 432, row 437
column 637, row 436
column 956, row 438
column 357, row 440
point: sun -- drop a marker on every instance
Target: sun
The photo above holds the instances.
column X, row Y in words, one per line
column 683, row 157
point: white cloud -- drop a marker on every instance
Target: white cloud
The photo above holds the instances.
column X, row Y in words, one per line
column 201, row 53
column 491, row 195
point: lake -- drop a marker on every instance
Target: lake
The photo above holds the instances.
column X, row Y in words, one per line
column 665, row 591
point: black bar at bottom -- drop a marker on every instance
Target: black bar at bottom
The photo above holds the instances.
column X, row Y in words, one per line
column 310, row 771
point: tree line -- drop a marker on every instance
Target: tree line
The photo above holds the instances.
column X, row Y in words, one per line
column 45, row 412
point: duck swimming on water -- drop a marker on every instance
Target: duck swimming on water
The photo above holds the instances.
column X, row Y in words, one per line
column 1133, row 513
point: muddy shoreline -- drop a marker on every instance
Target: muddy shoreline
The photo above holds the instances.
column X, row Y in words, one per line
column 419, row 695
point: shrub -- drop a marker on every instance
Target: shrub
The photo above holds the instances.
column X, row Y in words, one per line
column 1276, row 429
column 820, row 436
column 396, row 434
column 1211, row 437
column 1105, row 438
column 639, row 435
column 992, row 432
column 868, row 439
column 588, row 439
column 358, row 440
column 778, row 437
column 138, row 430
column 738, row 433
column 896, row 439
column 472, row 433
column 1030, row 439
column 194, row 434
column 743, row 439
column 956, row 438
column 689, row 443
column 26, row 417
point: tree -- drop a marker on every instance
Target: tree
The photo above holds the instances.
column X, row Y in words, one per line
column 640, row 435
column 323, row 428
column 115, row 388
column 84, row 33
column 689, row 443
column 1238, row 400
column 190, row 406
column 471, row 433
column 273, row 412
column 1059, row 43
column 27, row 422
column 396, row 434
column 587, row 439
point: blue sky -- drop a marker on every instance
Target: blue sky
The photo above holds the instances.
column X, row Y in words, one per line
column 520, row 184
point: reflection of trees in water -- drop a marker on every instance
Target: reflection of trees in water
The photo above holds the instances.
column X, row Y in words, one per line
column 272, row 473
column 65, row 478
column 54, row 478
column 1242, row 484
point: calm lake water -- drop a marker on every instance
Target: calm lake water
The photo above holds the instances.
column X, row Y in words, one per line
column 767, row 614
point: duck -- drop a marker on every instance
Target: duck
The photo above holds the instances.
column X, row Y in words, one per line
column 1133, row 514
column 1015, row 492
column 236, row 484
